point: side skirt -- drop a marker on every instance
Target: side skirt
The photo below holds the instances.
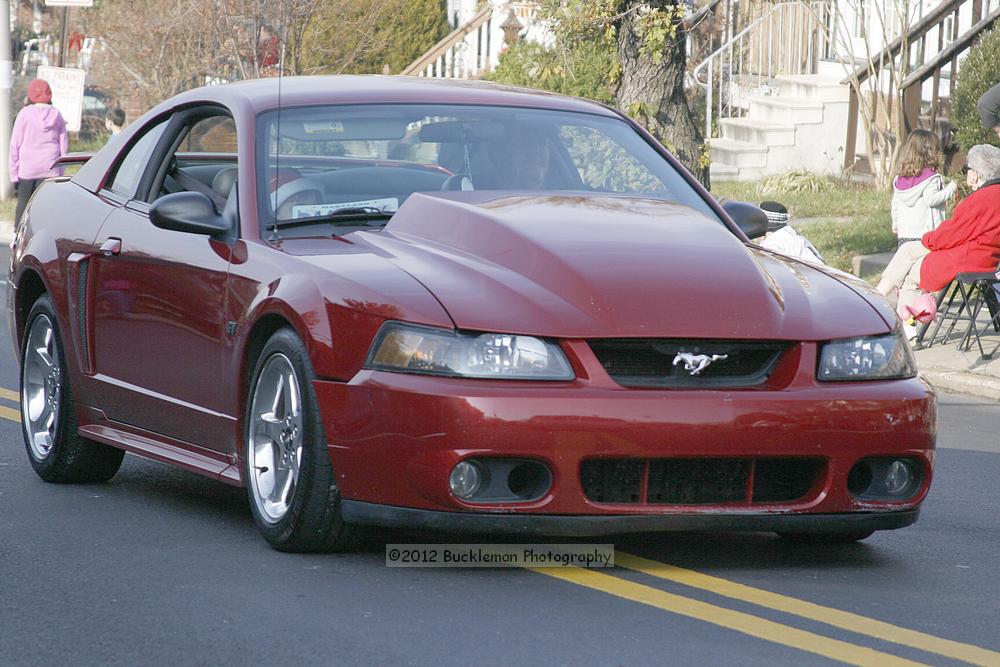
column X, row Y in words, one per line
column 182, row 455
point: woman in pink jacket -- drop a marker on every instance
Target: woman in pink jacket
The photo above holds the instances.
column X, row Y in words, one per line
column 38, row 140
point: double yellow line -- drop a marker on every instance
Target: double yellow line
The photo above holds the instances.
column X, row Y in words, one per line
column 13, row 414
column 754, row 626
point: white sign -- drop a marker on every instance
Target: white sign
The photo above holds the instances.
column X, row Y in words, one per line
column 69, row 3
column 67, row 92
column 385, row 205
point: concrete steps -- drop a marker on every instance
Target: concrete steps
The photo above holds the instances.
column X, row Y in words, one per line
column 758, row 132
column 739, row 153
column 786, row 110
column 724, row 172
column 802, row 126
column 813, row 87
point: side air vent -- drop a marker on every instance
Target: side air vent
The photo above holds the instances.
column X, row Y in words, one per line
column 81, row 309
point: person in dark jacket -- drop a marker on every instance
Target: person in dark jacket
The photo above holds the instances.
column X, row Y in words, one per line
column 38, row 139
column 989, row 108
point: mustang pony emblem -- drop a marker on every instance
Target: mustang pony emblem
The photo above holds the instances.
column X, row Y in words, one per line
column 696, row 363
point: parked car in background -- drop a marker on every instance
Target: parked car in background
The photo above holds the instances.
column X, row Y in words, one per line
column 95, row 109
column 403, row 302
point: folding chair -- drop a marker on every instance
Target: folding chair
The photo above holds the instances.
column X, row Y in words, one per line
column 961, row 301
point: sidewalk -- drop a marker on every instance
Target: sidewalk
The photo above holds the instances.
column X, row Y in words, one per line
column 6, row 232
column 962, row 372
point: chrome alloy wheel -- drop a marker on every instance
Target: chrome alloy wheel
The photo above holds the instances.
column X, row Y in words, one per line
column 275, row 438
column 41, row 387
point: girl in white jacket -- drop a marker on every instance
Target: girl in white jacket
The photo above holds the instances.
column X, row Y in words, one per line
column 919, row 191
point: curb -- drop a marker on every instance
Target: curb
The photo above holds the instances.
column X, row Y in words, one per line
column 864, row 265
column 984, row 386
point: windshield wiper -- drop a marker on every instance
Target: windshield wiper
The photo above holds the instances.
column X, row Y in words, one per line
column 344, row 216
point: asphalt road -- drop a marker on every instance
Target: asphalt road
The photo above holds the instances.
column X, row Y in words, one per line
column 161, row 567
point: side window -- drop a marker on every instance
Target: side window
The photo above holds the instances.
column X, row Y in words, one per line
column 211, row 135
column 130, row 169
column 604, row 165
column 205, row 160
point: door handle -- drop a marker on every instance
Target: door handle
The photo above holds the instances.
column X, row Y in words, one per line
column 111, row 247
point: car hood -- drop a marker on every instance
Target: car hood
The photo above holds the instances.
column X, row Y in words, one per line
column 604, row 266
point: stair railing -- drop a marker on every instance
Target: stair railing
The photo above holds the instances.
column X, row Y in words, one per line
column 465, row 53
column 788, row 38
column 925, row 51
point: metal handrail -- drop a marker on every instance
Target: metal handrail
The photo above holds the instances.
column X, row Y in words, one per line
column 788, row 57
column 738, row 37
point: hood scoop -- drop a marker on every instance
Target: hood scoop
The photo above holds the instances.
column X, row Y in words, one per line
column 588, row 266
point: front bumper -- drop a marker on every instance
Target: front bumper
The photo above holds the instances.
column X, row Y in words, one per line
column 394, row 439
column 369, row 514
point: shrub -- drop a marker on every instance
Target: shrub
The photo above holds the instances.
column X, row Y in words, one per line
column 980, row 70
column 794, row 181
column 584, row 69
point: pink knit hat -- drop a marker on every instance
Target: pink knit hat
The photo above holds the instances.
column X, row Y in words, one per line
column 923, row 310
column 39, row 91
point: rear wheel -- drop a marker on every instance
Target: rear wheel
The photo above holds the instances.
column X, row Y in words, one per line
column 48, row 416
column 844, row 537
column 290, row 480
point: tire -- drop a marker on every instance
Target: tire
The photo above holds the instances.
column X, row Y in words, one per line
column 845, row 537
column 48, row 413
column 290, row 481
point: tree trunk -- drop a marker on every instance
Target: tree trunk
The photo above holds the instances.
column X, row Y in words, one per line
column 651, row 89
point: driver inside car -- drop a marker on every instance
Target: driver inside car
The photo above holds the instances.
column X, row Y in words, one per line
column 523, row 162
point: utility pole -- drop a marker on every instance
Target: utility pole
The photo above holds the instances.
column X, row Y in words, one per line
column 62, row 37
column 6, row 90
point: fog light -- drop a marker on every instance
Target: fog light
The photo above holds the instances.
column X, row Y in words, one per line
column 466, row 480
column 898, row 477
column 885, row 478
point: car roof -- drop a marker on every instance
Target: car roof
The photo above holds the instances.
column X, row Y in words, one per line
column 263, row 94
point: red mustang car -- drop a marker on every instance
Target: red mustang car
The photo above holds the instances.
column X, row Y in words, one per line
column 401, row 302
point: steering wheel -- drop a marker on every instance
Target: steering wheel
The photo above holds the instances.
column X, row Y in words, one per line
column 457, row 182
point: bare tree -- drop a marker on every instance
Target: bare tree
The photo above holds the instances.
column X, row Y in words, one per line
column 259, row 35
column 146, row 54
column 149, row 51
column 877, row 85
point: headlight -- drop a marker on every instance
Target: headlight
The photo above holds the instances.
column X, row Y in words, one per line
column 416, row 349
column 868, row 358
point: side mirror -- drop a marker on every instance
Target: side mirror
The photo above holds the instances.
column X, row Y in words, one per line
column 191, row 212
column 748, row 217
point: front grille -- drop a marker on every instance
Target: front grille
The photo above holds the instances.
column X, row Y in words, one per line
column 699, row 481
column 654, row 362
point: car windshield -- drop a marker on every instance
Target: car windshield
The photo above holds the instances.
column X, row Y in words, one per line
column 330, row 162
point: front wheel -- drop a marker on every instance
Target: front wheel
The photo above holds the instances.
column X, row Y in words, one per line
column 290, row 481
column 48, row 419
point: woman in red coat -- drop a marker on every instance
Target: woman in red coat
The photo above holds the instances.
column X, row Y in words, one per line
column 969, row 241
